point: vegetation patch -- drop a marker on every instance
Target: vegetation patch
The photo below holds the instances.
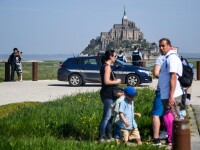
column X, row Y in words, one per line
column 68, row 123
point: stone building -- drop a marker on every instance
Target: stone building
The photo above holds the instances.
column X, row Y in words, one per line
column 127, row 30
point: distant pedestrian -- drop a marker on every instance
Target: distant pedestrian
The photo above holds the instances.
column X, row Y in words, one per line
column 136, row 57
column 108, row 83
column 189, row 89
column 12, row 62
column 18, row 58
column 127, row 115
column 122, row 56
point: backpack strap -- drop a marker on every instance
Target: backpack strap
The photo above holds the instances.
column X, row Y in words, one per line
column 176, row 73
column 170, row 55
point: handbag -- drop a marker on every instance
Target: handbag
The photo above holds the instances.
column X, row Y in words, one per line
column 168, row 119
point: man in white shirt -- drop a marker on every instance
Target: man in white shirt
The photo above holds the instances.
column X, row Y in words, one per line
column 171, row 91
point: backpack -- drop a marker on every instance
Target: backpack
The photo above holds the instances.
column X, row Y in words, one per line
column 187, row 74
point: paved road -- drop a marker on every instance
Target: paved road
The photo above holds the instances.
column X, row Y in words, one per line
column 42, row 90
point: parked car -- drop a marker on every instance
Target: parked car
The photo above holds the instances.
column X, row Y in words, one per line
column 85, row 69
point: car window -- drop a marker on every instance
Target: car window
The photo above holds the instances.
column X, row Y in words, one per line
column 91, row 61
column 74, row 61
column 81, row 61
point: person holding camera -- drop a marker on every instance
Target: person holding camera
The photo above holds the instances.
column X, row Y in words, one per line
column 12, row 62
column 18, row 57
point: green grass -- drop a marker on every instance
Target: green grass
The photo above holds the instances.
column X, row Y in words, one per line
column 68, row 123
column 46, row 70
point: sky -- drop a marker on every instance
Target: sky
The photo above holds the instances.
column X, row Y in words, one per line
column 67, row 26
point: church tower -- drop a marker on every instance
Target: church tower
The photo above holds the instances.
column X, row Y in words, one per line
column 125, row 19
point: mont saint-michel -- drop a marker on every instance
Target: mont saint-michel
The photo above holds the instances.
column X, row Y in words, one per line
column 122, row 36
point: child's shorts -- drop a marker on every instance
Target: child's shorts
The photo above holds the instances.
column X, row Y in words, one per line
column 130, row 134
column 158, row 107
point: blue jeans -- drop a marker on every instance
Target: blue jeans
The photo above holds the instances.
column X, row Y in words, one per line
column 117, row 131
column 105, row 127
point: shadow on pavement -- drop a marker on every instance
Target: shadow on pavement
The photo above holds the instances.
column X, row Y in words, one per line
column 67, row 85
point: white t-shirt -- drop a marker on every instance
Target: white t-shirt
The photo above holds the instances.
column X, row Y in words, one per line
column 172, row 64
column 160, row 59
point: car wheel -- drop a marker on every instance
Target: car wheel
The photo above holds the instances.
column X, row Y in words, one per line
column 132, row 80
column 75, row 80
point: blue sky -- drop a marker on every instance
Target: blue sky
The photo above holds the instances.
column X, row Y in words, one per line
column 67, row 26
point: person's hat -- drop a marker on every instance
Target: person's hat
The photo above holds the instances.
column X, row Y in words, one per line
column 130, row 91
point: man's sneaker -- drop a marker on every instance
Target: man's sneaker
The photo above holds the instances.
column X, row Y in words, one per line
column 170, row 144
column 156, row 141
column 102, row 141
column 187, row 102
column 110, row 140
column 163, row 135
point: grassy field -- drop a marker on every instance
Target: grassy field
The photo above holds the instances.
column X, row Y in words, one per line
column 68, row 123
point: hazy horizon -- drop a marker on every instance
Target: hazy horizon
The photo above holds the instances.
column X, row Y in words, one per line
column 65, row 26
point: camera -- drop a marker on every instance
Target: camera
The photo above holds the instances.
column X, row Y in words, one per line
column 19, row 52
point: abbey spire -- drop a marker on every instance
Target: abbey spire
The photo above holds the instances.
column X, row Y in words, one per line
column 125, row 19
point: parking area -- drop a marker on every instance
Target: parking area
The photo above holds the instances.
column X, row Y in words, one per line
column 42, row 90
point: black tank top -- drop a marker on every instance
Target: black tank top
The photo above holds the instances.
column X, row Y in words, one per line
column 106, row 90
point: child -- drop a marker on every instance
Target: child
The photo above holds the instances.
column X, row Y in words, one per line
column 128, row 125
column 117, row 129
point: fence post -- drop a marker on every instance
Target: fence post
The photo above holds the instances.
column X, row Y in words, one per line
column 7, row 71
column 34, row 71
column 143, row 63
column 198, row 70
column 181, row 135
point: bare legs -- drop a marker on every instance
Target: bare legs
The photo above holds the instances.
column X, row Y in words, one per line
column 156, row 126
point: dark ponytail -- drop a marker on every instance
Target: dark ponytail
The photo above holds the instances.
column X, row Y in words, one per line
column 106, row 56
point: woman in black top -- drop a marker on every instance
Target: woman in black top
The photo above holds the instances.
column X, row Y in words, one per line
column 108, row 82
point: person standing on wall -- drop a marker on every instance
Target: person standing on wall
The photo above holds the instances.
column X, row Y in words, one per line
column 121, row 56
column 108, row 81
column 136, row 57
